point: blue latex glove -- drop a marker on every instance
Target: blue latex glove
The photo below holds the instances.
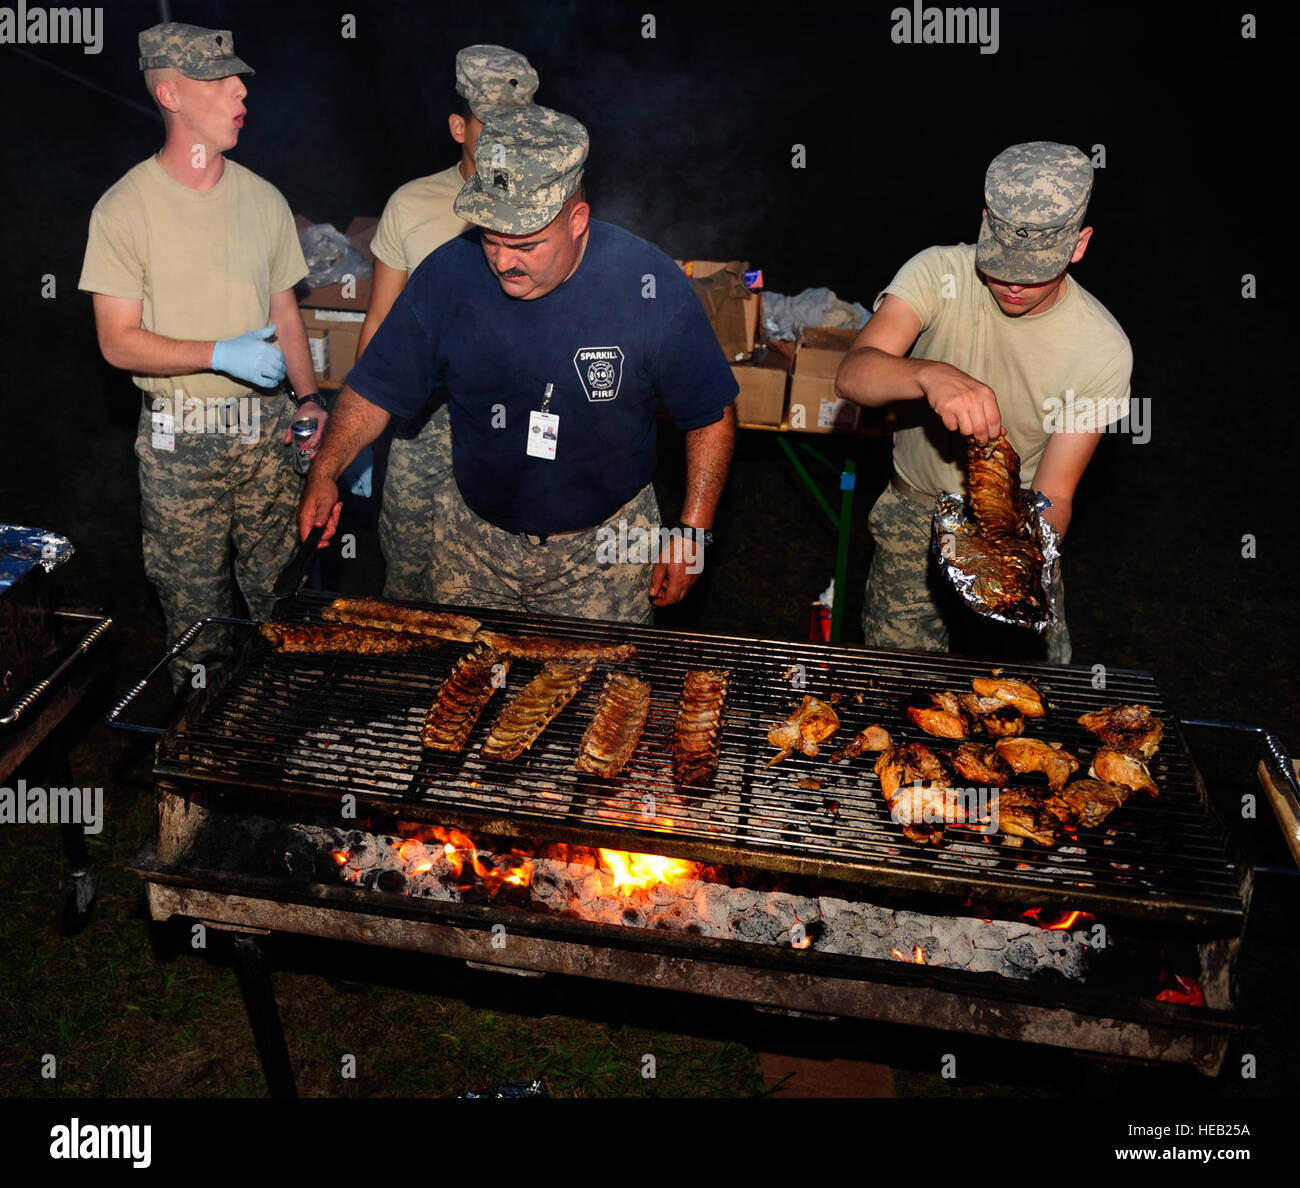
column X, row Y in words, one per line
column 251, row 358
column 359, row 477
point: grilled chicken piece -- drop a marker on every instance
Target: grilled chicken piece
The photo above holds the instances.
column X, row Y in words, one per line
column 804, row 730
column 698, row 732
column 1126, row 768
column 981, row 763
column 616, row 729
column 939, row 714
column 1022, row 813
column 1086, row 802
column 998, row 719
column 873, row 738
column 461, row 699
column 1024, row 695
column 918, row 790
column 388, row 616
column 534, row 708
column 1032, row 754
column 360, row 641
column 1127, row 728
column 540, row 647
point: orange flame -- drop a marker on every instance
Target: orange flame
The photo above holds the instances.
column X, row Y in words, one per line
column 458, row 847
column 631, row 871
column 1068, row 921
column 341, row 856
column 917, row 958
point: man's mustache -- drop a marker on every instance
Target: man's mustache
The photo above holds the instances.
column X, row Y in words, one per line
column 512, row 274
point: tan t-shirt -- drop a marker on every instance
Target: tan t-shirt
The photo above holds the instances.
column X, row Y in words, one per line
column 1032, row 363
column 203, row 262
column 419, row 218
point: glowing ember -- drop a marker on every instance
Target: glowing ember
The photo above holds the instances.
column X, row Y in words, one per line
column 1068, row 921
column 631, row 871
column 917, row 958
column 341, row 857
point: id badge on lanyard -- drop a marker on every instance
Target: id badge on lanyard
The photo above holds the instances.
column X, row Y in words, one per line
column 543, row 429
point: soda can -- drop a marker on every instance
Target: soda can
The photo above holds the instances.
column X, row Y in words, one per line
column 303, row 430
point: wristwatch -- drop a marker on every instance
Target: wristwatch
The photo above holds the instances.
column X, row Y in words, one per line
column 311, row 398
column 702, row 536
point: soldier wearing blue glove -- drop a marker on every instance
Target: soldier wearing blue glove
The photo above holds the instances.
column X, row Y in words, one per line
column 190, row 256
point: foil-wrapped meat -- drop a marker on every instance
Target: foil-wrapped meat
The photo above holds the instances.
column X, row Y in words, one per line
column 993, row 549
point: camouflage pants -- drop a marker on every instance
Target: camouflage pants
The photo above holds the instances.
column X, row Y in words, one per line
column 905, row 590
column 213, row 491
column 417, row 490
column 476, row 563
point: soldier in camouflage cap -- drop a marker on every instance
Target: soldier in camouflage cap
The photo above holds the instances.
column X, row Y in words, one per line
column 1036, row 196
column 528, row 163
column 557, row 336
column 989, row 339
column 417, row 219
column 493, row 80
column 196, row 52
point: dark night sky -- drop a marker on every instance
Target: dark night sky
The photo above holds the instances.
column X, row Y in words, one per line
column 691, row 147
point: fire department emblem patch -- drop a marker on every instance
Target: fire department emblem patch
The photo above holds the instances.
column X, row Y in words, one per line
column 600, row 370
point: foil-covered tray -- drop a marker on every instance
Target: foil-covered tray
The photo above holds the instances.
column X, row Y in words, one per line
column 22, row 549
column 962, row 552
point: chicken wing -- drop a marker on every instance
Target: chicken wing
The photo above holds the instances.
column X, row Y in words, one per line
column 804, row 730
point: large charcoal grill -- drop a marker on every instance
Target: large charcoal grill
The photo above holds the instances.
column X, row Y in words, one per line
column 292, row 734
column 316, row 727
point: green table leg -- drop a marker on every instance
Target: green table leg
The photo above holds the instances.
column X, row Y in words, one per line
column 841, row 523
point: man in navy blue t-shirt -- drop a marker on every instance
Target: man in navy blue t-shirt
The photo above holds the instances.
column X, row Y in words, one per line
column 556, row 337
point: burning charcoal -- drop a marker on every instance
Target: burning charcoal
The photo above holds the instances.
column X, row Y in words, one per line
column 391, row 881
column 633, row 917
column 741, row 899
column 990, row 936
column 985, row 961
column 1021, row 954
column 961, row 950
column 663, row 895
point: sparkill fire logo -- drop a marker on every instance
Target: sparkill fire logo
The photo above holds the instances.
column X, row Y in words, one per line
column 600, row 369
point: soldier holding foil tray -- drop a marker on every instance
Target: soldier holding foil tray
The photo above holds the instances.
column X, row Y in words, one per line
column 988, row 339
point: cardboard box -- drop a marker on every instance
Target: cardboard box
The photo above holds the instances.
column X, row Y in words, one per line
column 814, row 407
column 764, row 381
column 341, row 329
column 735, row 350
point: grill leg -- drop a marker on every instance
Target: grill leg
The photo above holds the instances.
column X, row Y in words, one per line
column 264, row 1015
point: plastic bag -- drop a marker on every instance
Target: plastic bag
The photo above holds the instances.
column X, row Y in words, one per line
column 330, row 256
column 784, row 317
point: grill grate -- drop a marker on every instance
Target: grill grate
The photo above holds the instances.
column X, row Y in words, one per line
column 322, row 726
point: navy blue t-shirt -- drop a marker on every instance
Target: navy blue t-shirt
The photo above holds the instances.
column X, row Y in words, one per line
column 611, row 350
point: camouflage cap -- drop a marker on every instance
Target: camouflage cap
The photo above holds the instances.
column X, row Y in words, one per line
column 493, row 79
column 196, row 52
column 526, row 165
column 1036, row 195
